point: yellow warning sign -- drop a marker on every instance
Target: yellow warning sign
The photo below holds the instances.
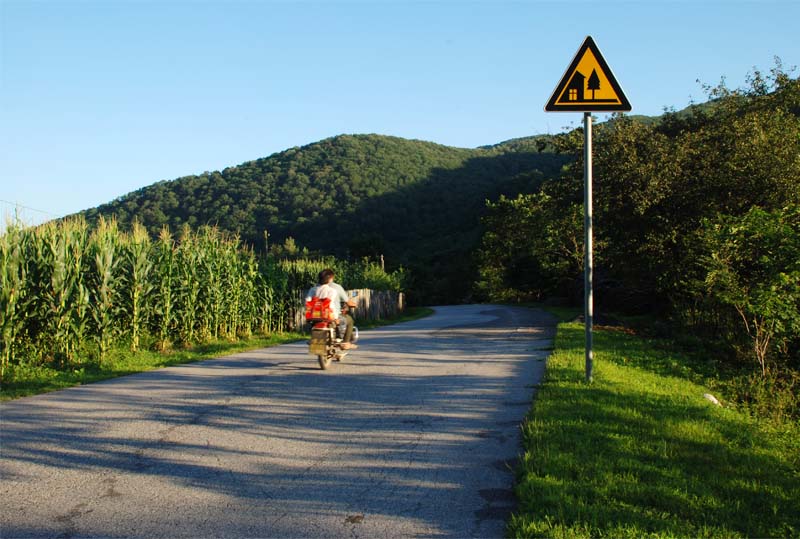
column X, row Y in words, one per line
column 588, row 85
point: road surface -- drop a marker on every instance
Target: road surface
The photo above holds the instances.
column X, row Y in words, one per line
column 413, row 435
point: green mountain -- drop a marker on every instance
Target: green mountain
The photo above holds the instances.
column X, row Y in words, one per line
column 417, row 203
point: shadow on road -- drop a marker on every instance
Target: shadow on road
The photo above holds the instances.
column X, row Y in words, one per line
column 405, row 429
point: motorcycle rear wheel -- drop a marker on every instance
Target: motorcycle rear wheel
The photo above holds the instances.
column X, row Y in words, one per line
column 324, row 362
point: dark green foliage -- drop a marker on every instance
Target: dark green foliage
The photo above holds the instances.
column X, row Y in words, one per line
column 694, row 218
column 654, row 185
column 531, row 248
column 415, row 202
column 752, row 276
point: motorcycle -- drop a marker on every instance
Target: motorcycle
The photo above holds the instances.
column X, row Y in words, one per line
column 325, row 344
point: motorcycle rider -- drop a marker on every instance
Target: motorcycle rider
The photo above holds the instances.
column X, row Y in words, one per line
column 329, row 289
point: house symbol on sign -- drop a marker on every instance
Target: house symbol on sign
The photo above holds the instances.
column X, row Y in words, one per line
column 575, row 87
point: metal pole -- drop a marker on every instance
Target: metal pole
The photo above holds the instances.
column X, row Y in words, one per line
column 587, row 225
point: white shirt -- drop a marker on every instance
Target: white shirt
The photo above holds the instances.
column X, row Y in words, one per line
column 331, row 291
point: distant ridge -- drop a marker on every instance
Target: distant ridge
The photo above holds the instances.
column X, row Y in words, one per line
column 418, row 203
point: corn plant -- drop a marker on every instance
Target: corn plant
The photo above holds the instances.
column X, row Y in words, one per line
column 12, row 292
column 250, row 280
column 38, row 265
column 264, row 296
column 187, row 286
column 233, row 285
column 211, row 293
column 274, row 283
column 104, row 249
column 163, row 320
column 62, row 294
column 139, row 284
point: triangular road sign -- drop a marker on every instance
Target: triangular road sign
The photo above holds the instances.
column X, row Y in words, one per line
column 588, row 85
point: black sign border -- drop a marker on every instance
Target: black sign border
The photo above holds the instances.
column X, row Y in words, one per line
column 623, row 106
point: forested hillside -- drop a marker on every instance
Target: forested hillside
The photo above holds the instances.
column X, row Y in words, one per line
column 415, row 202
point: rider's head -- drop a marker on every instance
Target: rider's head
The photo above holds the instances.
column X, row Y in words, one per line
column 325, row 276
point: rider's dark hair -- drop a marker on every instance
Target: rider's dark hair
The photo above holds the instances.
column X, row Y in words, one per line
column 325, row 276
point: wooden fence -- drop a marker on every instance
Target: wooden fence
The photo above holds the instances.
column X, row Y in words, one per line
column 371, row 305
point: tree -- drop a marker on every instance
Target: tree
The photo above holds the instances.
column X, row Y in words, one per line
column 593, row 83
column 532, row 248
column 753, row 266
column 413, row 200
column 659, row 186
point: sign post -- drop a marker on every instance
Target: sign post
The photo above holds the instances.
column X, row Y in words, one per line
column 588, row 85
column 588, row 266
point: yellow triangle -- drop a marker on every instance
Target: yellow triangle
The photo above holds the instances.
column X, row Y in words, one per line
column 588, row 85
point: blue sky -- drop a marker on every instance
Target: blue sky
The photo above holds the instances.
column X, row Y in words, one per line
column 98, row 99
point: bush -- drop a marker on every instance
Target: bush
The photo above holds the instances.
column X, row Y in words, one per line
column 752, row 266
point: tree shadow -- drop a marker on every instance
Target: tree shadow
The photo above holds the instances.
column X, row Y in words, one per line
column 675, row 466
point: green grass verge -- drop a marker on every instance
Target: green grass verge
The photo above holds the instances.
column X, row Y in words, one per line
column 640, row 453
column 22, row 381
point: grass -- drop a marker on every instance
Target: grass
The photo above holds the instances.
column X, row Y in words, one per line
column 24, row 381
column 640, row 453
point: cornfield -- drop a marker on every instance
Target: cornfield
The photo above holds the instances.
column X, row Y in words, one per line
column 363, row 273
column 70, row 293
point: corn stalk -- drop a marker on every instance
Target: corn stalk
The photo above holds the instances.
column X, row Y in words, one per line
column 12, row 292
column 233, row 286
column 187, row 287
column 249, row 280
column 104, row 248
column 63, row 295
column 164, row 300
column 139, row 283
column 211, row 266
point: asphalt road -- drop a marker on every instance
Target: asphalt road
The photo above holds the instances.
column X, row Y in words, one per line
column 413, row 435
